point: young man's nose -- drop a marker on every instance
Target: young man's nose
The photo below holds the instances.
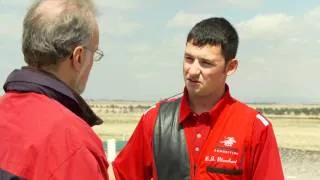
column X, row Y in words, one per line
column 195, row 68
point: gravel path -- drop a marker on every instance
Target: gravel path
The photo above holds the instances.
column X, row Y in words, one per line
column 300, row 164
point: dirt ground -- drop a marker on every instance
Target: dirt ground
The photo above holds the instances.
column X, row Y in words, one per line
column 301, row 164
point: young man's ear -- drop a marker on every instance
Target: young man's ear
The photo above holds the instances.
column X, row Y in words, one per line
column 77, row 58
column 232, row 66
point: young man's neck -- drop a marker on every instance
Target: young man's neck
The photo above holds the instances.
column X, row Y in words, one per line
column 200, row 104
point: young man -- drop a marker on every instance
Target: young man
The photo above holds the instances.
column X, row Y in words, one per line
column 45, row 125
column 206, row 133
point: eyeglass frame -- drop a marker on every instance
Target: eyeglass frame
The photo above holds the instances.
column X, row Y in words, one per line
column 98, row 52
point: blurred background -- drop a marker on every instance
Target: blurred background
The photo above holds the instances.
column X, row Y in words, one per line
column 143, row 42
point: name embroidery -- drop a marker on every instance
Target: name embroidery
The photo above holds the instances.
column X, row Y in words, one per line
column 220, row 159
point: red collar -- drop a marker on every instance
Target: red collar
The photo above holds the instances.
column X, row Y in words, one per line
column 185, row 109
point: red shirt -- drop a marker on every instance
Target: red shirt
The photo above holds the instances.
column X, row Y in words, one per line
column 41, row 139
column 197, row 126
column 135, row 161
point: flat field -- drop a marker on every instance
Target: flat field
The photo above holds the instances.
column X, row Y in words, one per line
column 292, row 131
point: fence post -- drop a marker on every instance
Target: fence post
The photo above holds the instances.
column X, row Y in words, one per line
column 111, row 149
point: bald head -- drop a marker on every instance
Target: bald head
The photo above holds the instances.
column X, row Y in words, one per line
column 53, row 8
column 50, row 8
column 52, row 28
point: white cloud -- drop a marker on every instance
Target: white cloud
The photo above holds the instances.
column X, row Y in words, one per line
column 244, row 4
column 281, row 26
column 313, row 13
column 183, row 19
column 241, row 3
column 139, row 48
column 312, row 18
column 124, row 5
column 267, row 26
column 121, row 5
column 12, row 29
column 278, row 54
column 16, row 3
column 117, row 25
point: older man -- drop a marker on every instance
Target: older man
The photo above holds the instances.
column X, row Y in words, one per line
column 45, row 125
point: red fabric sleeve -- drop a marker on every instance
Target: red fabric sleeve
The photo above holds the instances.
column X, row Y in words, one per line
column 135, row 161
column 81, row 165
column 265, row 157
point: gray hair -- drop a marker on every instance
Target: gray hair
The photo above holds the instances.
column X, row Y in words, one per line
column 48, row 40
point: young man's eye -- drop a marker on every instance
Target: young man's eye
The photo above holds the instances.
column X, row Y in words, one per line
column 188, row 59
column 207, row 63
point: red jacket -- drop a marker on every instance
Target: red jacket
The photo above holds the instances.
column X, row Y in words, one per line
column 41, row 139
column 228, row 141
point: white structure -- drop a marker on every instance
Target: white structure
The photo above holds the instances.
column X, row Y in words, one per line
column 111, row 149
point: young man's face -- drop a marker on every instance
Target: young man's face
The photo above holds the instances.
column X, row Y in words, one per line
column 205, row 70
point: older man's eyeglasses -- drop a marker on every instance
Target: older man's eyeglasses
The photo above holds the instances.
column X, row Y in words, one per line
column 98, row 54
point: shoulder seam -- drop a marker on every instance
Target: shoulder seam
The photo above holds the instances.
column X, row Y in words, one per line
column 66, row 160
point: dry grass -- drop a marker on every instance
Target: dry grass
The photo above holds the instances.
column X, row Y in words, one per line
column 286, row 105
column 291, row 132
column 117, row 126
column 297, row 133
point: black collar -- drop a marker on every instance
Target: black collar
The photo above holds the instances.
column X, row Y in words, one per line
column 29, row 79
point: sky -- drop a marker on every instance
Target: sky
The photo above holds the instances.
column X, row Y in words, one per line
column 144, row 40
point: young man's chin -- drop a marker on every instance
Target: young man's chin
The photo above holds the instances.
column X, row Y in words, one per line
column 194, row 92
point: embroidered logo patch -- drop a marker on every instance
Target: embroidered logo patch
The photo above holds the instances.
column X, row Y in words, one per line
column 228, row 141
